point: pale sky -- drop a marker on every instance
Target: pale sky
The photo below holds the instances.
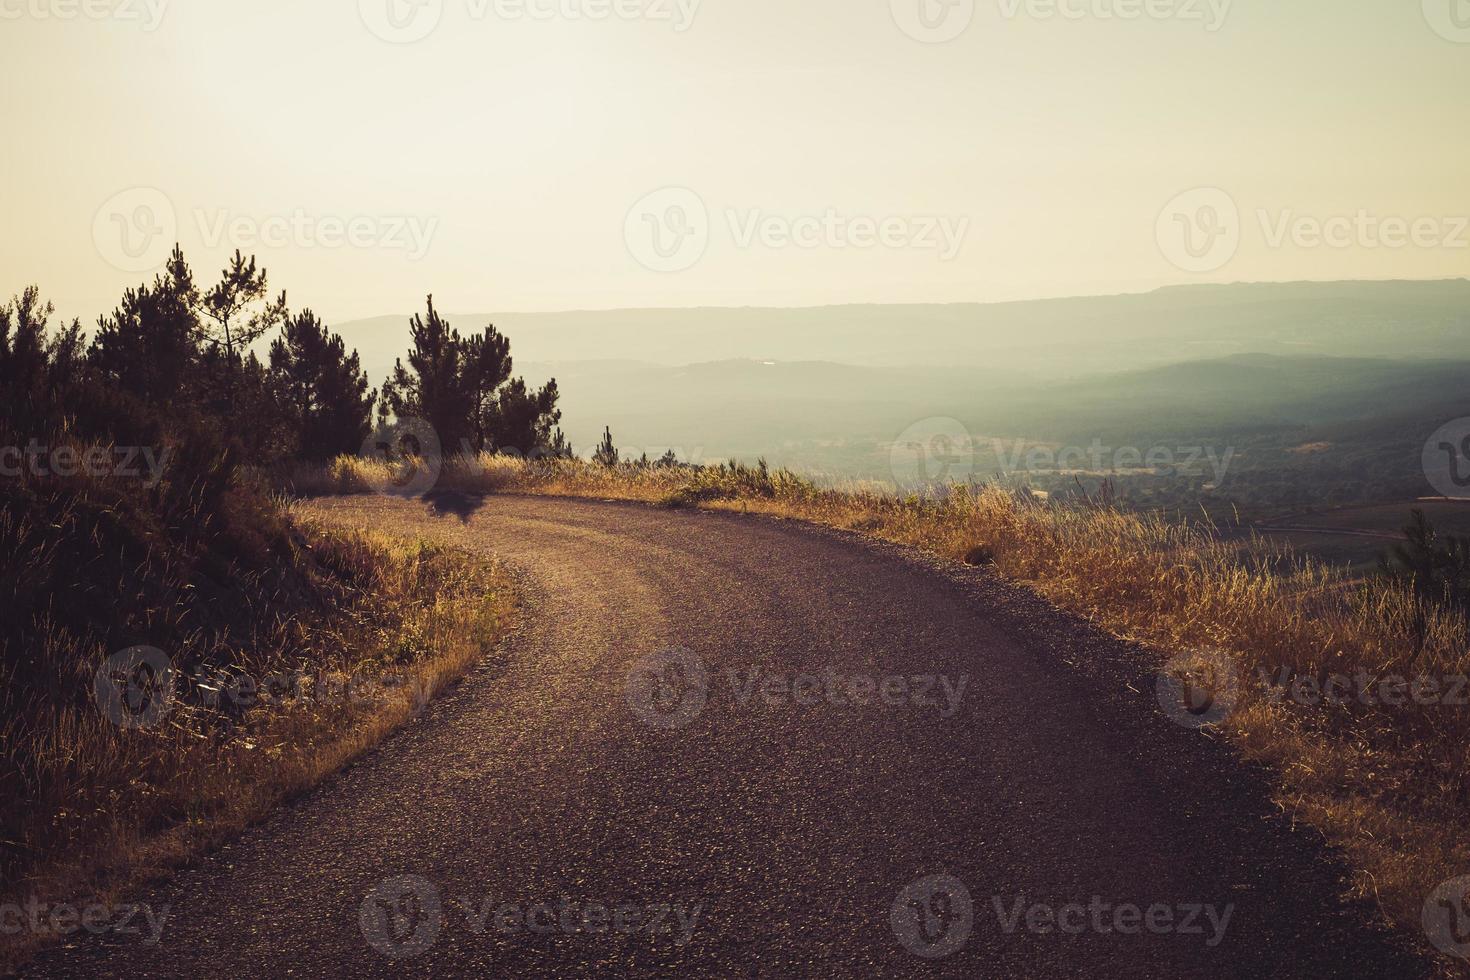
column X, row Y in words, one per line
column 497, row 160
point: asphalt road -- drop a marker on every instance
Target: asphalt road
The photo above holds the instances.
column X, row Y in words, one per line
column 931, row 773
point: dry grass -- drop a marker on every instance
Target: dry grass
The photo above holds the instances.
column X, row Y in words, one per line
column 1388, row 785
column 491, row 474
column 106, row 807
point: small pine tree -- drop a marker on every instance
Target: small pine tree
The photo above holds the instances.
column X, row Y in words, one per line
column 37, row 369
column 524, row 420
column 557, row 446
column 607, row 453
column 1434, row 566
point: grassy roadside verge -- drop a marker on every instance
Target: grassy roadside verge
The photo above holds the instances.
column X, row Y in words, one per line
column 1381, row 774
column 364, row 631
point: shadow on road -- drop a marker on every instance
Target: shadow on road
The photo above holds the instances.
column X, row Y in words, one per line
column 448, row 503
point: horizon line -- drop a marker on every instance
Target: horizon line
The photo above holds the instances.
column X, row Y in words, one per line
column 1180, row 287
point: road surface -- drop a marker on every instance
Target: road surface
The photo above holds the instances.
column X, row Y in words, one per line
column 734, row 746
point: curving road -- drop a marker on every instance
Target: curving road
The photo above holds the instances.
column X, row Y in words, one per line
column 892, row 767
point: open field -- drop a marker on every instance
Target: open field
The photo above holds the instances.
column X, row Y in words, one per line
column 1452, row 516
column 1357, row 536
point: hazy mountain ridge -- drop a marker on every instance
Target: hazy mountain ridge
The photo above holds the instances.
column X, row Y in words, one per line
column 1055, row 337
column 829, row 389
column 839, row 418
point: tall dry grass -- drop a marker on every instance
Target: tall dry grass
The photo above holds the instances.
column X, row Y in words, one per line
column 1388, row 784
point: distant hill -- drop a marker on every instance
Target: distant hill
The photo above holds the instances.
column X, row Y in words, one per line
column 1040, row 338
column 1244, row 394
column 1367, row 368
column 840, row 419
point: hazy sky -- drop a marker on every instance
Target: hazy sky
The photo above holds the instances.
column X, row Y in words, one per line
column 820, row 150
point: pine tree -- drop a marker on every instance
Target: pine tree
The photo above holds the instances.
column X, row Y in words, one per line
column 324, row 392
column 232, row 316
column 557, row 446
column 607, row 453
column 525, row 421
column 463, row 388
column 1434, row 566
column 148, row 347
column 434, row 385
column 487, row 367
column 262, row 424
column 37, row 369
